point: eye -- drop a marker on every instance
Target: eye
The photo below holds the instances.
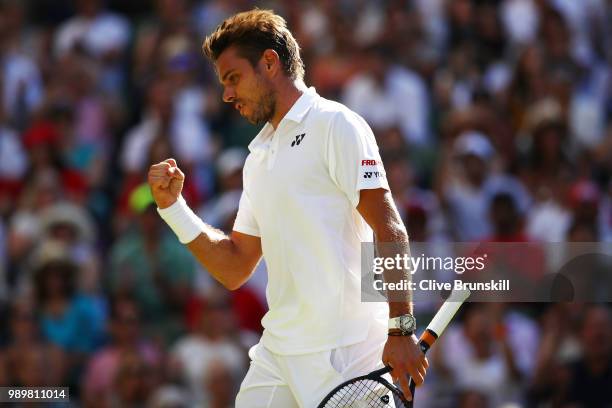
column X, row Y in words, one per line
column 233, row 79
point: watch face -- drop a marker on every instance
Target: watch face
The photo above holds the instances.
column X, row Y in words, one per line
column 407, row 323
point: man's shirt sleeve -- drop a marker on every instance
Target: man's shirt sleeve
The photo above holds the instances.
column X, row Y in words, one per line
column 353, row 158
column 245, row 220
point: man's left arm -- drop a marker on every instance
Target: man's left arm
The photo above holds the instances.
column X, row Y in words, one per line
column 402, row 353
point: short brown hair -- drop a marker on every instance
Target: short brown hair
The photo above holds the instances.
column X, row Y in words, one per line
column 253, row 32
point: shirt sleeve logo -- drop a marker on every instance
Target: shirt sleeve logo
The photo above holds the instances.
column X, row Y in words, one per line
column 371, row 169
column 370, row 162
column 373, row 174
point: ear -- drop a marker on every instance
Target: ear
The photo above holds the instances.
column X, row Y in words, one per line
column 271, row 62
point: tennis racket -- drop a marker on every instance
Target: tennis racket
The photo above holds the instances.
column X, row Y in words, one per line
column 372, row 390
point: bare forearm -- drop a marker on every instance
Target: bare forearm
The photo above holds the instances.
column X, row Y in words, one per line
column 221, row 257
column 392, row 240
column 229, row 259
column 378, row 209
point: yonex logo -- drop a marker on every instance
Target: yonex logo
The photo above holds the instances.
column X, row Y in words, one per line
column 370, row 174
column 384, row 399
column 298, row 139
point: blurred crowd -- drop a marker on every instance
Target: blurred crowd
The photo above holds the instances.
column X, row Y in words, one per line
column 493, row 118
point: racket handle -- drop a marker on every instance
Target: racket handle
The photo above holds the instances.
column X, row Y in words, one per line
column 426, row 341
column 437, row 326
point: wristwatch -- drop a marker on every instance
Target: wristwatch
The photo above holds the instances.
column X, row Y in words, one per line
column 406, row 324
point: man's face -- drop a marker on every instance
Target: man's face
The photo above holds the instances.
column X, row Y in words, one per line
column 246, row 87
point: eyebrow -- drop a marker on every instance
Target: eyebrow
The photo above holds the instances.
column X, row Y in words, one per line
column 228, row 73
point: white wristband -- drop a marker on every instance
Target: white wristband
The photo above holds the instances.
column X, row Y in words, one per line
column 183, row 221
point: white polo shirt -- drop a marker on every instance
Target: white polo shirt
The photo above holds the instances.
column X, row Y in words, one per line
column 301, row 190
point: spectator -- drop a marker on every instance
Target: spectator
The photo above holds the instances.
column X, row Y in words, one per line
column 100, row 34
column 219, row 384
column 213, row 339
column 23, row 88
column 69, row 319
column 548, row 163
column 151, row 265
column 191, row 137
column 131, row 386
column 30, row 369
column 506, row 220
column 125, row 339
column 86, row 142
column 13, row 163
column 30, row 360
column 465, row 197
column 73, row 227
column 418, row 207
column 558, row 346
column 178, row 124
column 519, row 257
column 94, row 29
column 547, row 171
column 171, row 18
column 385, row 92
column 584, row 199
column 156, row 122
column 467, row 194
column 479, row 357
column 229, row 170
column 590, row 377
column 528, row 83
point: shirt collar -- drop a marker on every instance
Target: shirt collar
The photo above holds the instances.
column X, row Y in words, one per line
column 295, row 114
column 263, row 134
column 302, row 105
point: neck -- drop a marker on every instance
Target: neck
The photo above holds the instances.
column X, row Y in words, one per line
column 287, row 94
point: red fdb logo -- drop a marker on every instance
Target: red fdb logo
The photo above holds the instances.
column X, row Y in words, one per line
column 368, row 162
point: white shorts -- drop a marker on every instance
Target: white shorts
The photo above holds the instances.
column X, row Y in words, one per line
column 278, row 381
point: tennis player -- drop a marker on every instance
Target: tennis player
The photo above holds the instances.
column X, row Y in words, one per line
column 314, row 189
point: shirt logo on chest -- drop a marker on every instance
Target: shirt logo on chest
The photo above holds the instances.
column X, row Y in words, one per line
column 298, row 139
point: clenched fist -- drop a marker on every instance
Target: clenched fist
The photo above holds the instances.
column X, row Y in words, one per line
column 166, row 181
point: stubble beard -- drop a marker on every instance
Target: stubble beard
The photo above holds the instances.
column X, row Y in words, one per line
column 265, row 106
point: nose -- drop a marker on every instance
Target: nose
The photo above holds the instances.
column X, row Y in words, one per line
column 229, row 94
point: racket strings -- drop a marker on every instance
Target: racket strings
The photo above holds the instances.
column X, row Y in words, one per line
column 364, row 393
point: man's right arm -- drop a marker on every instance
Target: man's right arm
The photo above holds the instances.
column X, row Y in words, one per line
column 229, row 259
